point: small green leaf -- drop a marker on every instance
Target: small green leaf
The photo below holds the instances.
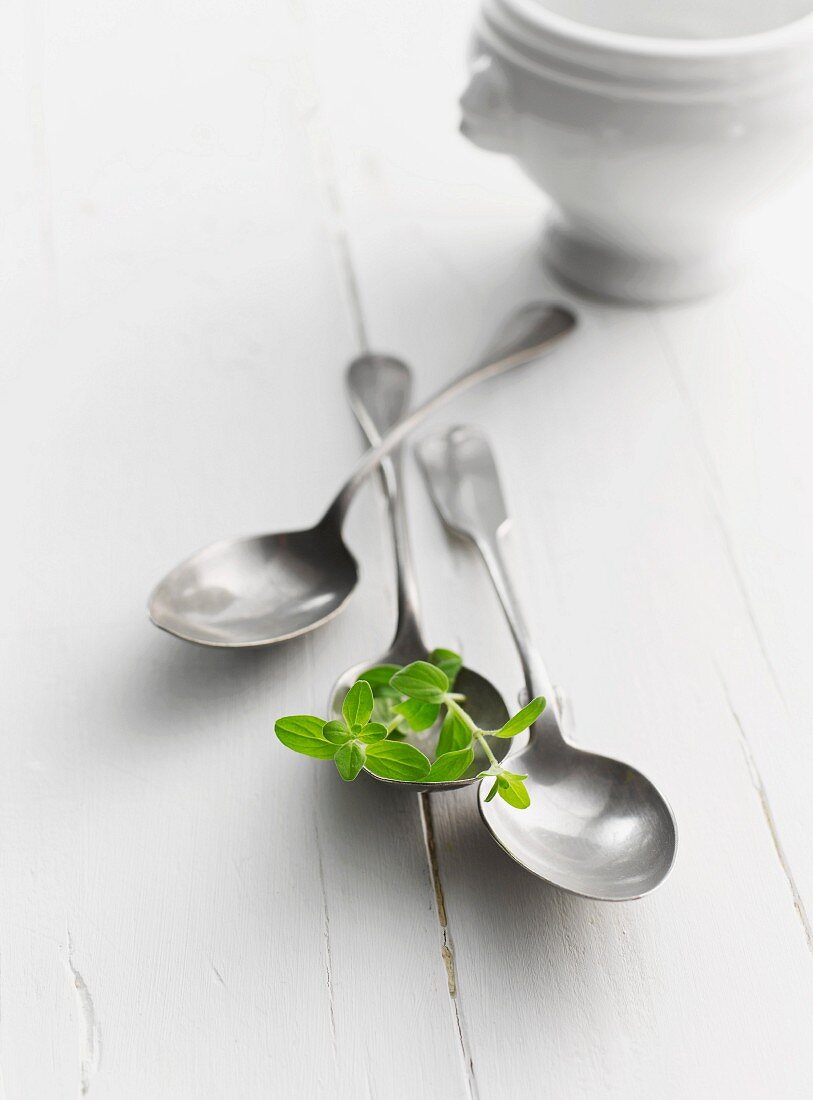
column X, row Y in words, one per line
column 454, row 734
column 448, row 661
column 374, row 732
column 493, row 791
column 418, row 714
column 396, row 760
column 358, row 704
column 521, row 721
column 303, row 733
column 420, row 680
column 513, row 791
column 349, row 760
column 451, row 765
column 379, row 678
column 382, row 708
column 336, row 732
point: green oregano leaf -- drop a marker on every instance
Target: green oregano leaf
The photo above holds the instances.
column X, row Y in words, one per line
column 448, row 662
column 382, row 708
column 513, row 791
column 349, row 760
column 521, row 721
column 358, row 705
column 379, row 678
column 454, row 734
column 303, row 733
column 396, row 760
column 451, row 765
column 336, row 732
column 418, row 714
column 508, row 785
column 423, row 681
column 375, row 731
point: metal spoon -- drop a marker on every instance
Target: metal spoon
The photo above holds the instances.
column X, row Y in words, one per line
column 595, row 827
column 379, row 388
column 265, row 589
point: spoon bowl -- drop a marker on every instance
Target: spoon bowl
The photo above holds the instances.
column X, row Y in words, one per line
column 483, row 702
column 267, row 589
column 256, row 591
column 595, row 827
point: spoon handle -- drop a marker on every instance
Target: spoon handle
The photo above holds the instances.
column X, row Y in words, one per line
column 380, row 389
column 465, row 486
column 523, row 338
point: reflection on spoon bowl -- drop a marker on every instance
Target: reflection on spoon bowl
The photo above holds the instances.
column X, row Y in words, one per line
column 595, row 827
column 255, row 591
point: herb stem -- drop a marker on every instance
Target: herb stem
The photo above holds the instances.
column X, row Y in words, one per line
column 453, row 705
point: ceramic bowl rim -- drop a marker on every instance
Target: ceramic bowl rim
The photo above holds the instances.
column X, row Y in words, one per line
column 568, row 30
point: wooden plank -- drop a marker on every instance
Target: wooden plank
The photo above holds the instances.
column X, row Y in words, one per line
column 189, row 910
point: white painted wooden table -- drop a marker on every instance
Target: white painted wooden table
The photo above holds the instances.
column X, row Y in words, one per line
column 206, row 209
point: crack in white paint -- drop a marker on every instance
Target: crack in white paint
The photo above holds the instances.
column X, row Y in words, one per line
column 767, row 813
column 446, row 948
column 90, row 1036
column 716, row 495
column 336, row 219
column 339, row 233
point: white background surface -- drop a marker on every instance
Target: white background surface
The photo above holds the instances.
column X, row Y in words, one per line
column 207, row 208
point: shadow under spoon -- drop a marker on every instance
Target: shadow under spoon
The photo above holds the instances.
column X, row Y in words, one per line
column 596, row 826
column 268, row 588
column 379, row 388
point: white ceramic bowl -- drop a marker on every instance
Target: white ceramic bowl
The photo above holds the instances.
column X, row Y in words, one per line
column 657, row 129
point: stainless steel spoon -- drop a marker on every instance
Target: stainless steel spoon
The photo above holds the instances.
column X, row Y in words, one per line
column 379, row 388
column 268, row 588
column 595, row 827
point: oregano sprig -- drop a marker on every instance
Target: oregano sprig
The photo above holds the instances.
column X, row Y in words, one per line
column 418, row 696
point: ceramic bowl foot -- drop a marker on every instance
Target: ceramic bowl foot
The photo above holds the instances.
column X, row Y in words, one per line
column 603, row 270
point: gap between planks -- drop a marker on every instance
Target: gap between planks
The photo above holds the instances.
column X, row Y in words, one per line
column 90, row 1039
column 716, row 499
column 446, row 945
column 767, row 813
